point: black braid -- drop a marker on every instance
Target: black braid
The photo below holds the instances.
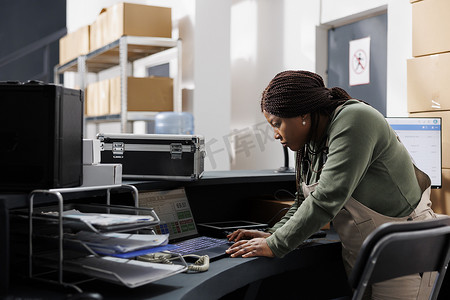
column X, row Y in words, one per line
column 296, row 93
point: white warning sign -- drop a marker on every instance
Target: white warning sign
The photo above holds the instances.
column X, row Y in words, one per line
column 359, row 61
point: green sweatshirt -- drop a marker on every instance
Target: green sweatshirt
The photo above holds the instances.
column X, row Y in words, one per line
column 366, row 162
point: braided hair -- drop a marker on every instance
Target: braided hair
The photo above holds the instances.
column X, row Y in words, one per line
column 297, row 93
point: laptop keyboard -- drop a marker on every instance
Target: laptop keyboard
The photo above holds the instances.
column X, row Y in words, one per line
column 196, row 244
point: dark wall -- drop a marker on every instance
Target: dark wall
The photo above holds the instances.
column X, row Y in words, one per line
column 29, row 38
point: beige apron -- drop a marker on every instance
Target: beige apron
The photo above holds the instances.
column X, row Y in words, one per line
column 354, row 223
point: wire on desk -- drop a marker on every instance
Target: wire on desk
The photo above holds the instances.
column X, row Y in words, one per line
column 200, row 265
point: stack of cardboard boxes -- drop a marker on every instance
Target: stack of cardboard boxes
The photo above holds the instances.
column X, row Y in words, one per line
column 144, row 94
column 429, row 80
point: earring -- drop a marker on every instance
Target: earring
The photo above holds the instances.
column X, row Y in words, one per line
column 304, row 123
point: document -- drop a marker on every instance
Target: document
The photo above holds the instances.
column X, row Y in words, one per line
column 131, row 273
column 110, row 243
column 98, row 219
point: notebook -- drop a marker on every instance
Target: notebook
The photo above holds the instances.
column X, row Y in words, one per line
column 176, row 219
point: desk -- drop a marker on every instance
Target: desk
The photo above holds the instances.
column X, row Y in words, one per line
column 219, row 195
column 309, row 271
column 311, row 267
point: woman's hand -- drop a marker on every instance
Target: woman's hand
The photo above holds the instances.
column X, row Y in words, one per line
column 253, row 247
column 242, row 234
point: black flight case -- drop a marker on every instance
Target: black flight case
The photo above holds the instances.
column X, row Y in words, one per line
column 155, row 156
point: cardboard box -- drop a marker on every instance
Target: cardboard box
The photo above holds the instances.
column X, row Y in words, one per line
column 114, row 96
column 143, row 94
column 430, row 27
column 97, row 98
column 428, row 83
column 441, row 197
column 103, row 97
column 445, row 116
column 90, row 104
column 74, row 44
column 131, row 19
column 266, row 209
column 97, row 31
column 102, row 174
column 91, row 151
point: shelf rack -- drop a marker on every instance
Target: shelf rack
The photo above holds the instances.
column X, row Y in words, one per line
column 58, row 194
column 119, row 53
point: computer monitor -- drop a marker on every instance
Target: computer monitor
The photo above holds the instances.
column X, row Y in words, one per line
column 422, row 138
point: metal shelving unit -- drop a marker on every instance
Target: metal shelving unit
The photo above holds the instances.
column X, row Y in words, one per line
column 122, row 51
column 57, row 264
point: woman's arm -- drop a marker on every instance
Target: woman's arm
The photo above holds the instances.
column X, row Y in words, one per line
column 351, row 150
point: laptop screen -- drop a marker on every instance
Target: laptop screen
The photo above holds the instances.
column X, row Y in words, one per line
column 422, row 139
column 174, row 212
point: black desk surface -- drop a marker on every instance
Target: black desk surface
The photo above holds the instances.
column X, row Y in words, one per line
column 210, row 178
column 312, row 265
column 220, row 178
column 318, row 262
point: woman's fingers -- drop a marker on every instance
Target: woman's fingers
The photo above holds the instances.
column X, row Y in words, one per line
column 242, row 234
column 232, row 236
column 239, row 248
column 236, row 247
column 254, row 247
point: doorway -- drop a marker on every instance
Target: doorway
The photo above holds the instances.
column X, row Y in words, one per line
column 341, row 70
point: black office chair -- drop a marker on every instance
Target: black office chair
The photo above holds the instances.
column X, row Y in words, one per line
column 403, row 248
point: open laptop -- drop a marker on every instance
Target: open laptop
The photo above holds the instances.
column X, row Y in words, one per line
column 176, row 219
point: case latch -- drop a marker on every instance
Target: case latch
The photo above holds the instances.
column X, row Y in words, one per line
column 118, row 148
column 176, row 150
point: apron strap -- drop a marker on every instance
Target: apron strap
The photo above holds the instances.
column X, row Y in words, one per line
column 422, row 178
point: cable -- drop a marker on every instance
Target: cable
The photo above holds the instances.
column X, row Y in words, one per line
column 277, row 214
column 200, row 265
column 158, row 257
column 275, row 194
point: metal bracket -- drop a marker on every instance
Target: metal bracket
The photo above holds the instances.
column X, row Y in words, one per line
column 118, row 148
column 176, row 150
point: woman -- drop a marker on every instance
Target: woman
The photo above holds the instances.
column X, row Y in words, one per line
column 351, row 169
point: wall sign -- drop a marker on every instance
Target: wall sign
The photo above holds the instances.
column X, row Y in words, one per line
column 359, row 61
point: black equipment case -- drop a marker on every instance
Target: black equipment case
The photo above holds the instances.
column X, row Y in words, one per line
column 41, row 126
column 155, row 156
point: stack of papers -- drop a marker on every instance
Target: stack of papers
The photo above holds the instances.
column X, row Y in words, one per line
column 131, row 273
column 114, row 243
column 98, row 219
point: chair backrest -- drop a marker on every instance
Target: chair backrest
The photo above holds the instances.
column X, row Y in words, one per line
column 403, row 248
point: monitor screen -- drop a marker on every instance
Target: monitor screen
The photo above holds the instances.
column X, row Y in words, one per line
column 174, row 212
column 422, row 139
